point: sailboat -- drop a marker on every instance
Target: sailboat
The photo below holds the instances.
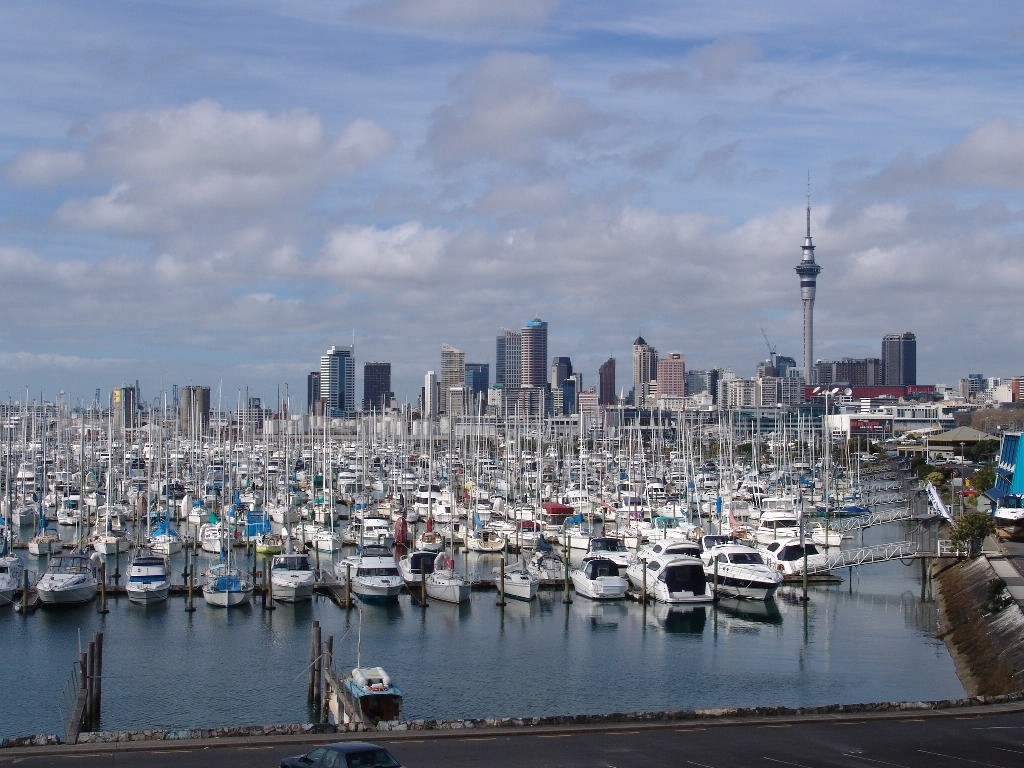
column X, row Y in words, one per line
column 446, row 584
column 12, row 571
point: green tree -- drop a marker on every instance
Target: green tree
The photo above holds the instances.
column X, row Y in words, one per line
column 970, row 530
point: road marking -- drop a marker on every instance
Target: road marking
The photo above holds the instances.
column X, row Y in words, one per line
column 952, row 757
column 785, row 762
column 860, row 756
column 553, row 735
column 690, row 730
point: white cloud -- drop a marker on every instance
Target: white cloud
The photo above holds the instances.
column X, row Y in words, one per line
column 44, row 167
column 507, row 110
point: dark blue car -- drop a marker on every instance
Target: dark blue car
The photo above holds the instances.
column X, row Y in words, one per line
column 344, row 754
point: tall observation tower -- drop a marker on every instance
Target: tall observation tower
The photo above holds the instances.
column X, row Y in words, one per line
column 808, row 271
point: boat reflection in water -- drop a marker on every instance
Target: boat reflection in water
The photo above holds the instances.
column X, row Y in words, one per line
column 753, row 611
column 678, row 619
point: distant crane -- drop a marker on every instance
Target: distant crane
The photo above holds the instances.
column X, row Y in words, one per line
column 771, row 348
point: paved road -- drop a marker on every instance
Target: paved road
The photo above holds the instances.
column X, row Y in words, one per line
column 980, row 736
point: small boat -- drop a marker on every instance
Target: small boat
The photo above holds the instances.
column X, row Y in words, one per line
column 373, row 572
column 548, row 565
column 599, row 578
column 149, row 578
column 164, row 539
column 69, row 579
column 292, row 577
column 671, row 579
column 46, row 542
column 518, row 583
column 485, row 540
column 214, row 538
column 611, row 547
column 269, row 544
column 737, row 570
column 787, row 557
column 430, row 540
column 12, row 576
column 414, row 566
column 446, row 584
column 226, row 586
column 1009, row 517
column 368, row 696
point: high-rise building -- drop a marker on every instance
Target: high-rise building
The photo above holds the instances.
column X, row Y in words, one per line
column 478, row 381
column 561, row 369
column 453, row 372
column 808, row 271
column 376, row 386
column 430, row 395
column 338, row 382
column 194, row 409
column 645, row 370
column 534, row 354
column 313, row 393
column 124, row 403
column 899, row 359
column 606, row 382
column 672, row 375
column 508, row 360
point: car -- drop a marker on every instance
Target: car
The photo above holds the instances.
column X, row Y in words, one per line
column 344, row 754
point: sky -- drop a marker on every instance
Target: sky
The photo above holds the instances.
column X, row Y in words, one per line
column 214, row 192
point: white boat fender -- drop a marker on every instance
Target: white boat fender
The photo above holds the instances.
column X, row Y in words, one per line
column 98, row 561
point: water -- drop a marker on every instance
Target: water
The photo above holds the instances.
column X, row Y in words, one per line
column 868, row 639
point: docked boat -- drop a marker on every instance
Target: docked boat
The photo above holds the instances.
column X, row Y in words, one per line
column 1009, row 517
column 599, row 578
column 446, row 584
column 292, row 577
column 671, row 579
column 611, row 547
column 737, row 570
column 780, row 519
column 518, row 583
column 69, row 579
column 214, row 538
column 485, row 540
column 226, row 586
column 149, row 578
column 269, row 544
column 367, row 697
column 373, row 574
column 548, row 565
column 414, row 566
column 46, row 541
column 430, row 540
column 164, row 539
column 787, row 557
column 12, row 576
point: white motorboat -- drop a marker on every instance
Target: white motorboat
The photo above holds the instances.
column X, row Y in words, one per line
column 149, row 578
column 737, row 570
column 548, row 565
column 292, row 577
column 414, row 566
column 1009, row 517
column 787, row 557
column 599, row 578
column 69, row 579
column 370, row 530
column 671, row 579
column 611, row 547
column 214, row 538
column 485, row 540
column 12, row 576
column 46, row 541
column 373, row 574
column 164, row 539
column 780, row 519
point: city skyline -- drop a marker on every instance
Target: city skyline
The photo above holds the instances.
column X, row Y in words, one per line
column 200, row 195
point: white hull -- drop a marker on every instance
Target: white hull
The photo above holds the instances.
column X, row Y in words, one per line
column 56, row 591
column 600, row 588
column 519, row 584
column 448, row 587
column 226, row 598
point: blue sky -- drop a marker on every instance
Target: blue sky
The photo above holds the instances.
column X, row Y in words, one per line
column 215, row 192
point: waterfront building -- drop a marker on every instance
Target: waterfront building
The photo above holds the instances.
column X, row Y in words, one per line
column 194, row 409
column 899, row 359
column 453, row 372
column 534, row 370
column 645, row 370
column 338, row 382
column 376, row 386
column 606, row 382
column 508, row 359
column 853, row 372
column 808, row 272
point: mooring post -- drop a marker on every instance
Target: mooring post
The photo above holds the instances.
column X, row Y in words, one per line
column 103, row 588
column 314, row 654
column 326, row 661
column 501, row 584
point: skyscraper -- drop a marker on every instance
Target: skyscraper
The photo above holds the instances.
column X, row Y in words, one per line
column 645, row 369
column 430, row 395
column 899, row 359
column 194, row 409
column 561, row 369
column 508, row 360
column 606, row 382
column 338, row 381
column 376, row 386
column 453, row 372
column 313, row 392
column 534, row 354
column 672, row 375
column 808, row 271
